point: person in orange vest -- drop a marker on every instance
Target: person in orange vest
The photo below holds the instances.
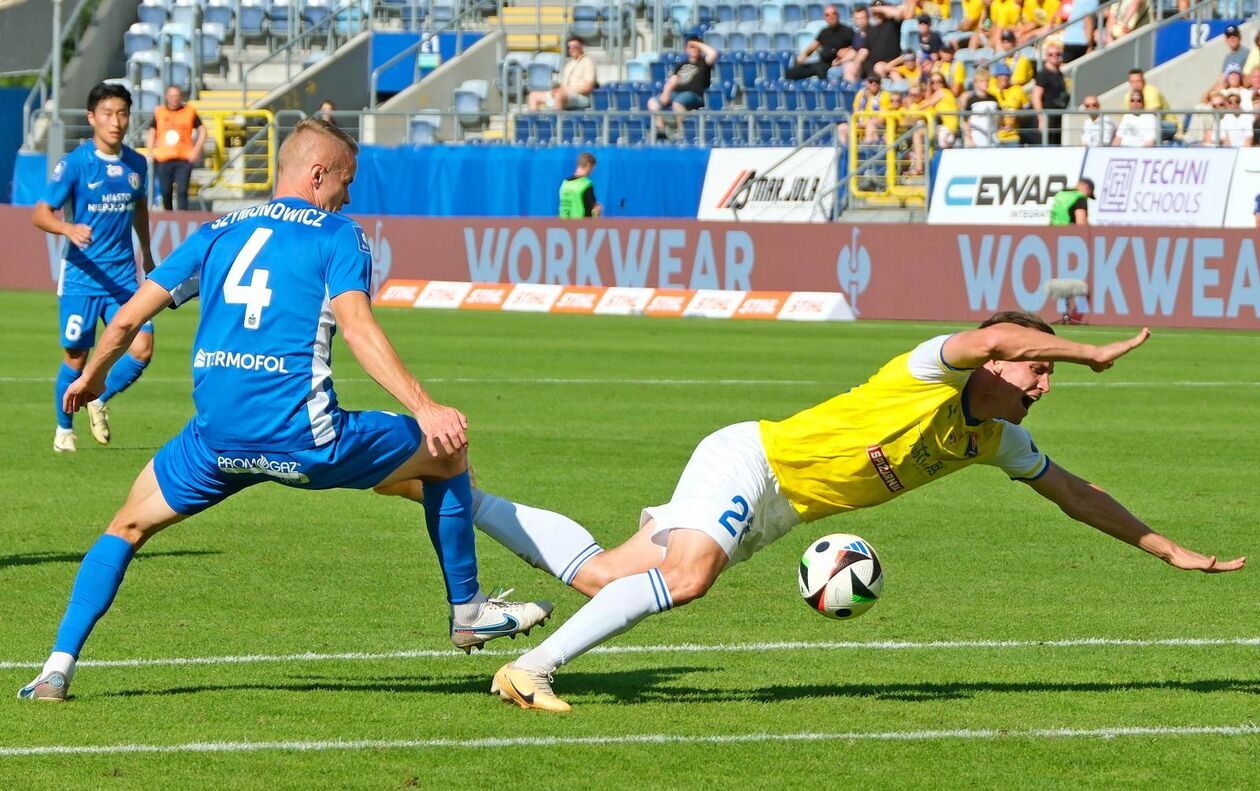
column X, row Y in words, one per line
column 175, row 139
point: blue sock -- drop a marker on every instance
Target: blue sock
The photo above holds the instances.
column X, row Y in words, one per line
column 99, row 576
column 65, row 377
column 448, row 514
column 124, row 373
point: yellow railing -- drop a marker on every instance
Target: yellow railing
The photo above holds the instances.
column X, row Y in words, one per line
column 903, row 143
column 244, row 155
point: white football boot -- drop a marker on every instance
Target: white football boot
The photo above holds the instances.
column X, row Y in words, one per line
column 51, row 687
column 98, row 418
column 64, row 441
column 499, row 618
column 527, row 688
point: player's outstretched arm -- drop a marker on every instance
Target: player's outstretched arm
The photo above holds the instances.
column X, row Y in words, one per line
column 1088, row 503
column 146, row 303
column 444, row 427
column 1015, row 343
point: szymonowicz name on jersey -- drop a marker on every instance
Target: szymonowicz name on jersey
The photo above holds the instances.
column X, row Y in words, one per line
column 276, row 211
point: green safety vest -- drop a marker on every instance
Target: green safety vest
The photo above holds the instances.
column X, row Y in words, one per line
column 571, row 192
column 1060, row 209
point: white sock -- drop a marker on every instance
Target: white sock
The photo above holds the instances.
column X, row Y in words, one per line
column 97, row 402
column 59, row 662
column 620, row 605
column 63, row 431
column 544, row 539
column 464, row 614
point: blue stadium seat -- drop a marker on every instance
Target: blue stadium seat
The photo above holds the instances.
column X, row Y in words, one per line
column 442, row 14
column 585, row 22
column 717, row 39
column 623, row 98
column 793, row 12
column 219, row 12
column 769, row 96
column 179, row 70
column 725, row 12
column 714, row 100
column 814, row 11
column 601, row 98
column 146, row 65
column 657, row 71
column 737, row 41
column 184, row 12
column 545, row 129
column 469, row 102
column 640, row 93
column 139, row 38
column 281, row 19
column 423, row 128
column 152, row 12
column 747, row 12
column 771, row 65
column 761, row 39
column 252, row 19
column 314, row 12
column 209, row 44
column 524, row 130
column 540, row 75
column 772, row 12
column 781, row 39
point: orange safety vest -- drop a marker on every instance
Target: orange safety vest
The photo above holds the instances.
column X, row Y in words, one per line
column 174, row 133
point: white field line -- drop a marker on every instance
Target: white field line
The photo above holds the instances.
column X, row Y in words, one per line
column 680, row 648
column 1101, row 382
column 634, row 739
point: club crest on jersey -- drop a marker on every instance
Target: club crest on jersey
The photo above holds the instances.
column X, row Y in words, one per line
column 113, row 171
column 134, row 180
column 362, row 237
column 57, row 171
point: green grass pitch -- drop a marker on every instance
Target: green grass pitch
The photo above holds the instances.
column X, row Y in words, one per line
column 595, row 417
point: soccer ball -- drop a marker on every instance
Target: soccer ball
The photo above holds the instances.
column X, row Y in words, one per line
column 841, row 576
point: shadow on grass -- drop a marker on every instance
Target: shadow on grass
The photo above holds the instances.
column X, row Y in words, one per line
column 627, row 687
column 38, row 558
column 658, row 685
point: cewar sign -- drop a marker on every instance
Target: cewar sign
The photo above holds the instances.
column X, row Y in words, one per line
column 1002, row 186
column 1137, row 276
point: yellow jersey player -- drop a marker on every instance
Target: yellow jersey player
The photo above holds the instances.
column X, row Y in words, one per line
column 952, row 401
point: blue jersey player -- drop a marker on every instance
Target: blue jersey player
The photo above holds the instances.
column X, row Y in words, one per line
column 275, row 281
column 102, row 186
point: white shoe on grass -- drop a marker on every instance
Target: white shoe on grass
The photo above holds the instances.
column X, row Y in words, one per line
column 64, row 441
column 500, row 618
column 51, row 687
column 98, row 418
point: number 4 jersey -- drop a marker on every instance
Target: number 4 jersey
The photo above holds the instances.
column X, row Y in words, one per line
column 262, row 377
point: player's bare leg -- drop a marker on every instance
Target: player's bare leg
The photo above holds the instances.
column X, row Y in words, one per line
column 142, row 516
column 693, row 561
column 123, row 375
column 442, row 485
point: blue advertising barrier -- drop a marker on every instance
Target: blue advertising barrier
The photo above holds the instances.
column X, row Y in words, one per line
column 11, row 100
column 510, row 181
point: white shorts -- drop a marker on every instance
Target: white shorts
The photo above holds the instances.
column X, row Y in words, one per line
column 728, row 492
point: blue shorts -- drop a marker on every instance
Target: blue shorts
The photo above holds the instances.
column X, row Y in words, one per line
column 369, row 446
column 689, row 99
column 79, row 315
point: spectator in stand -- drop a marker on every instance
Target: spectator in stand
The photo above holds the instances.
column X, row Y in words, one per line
column 1231, row 83
column 872, row 98
column 1250, row 89
column 1012, row 99
column 1208, row 128
column 1050, row 93
column 833, row 45
column 1022, row 71
column 975, row 15
column 943, row 106
column 883, row 39
column 1154, row 100
column 326, row 111
column 1037, row 17
column 908, row 67
column 1004, row 16
column 930, row 41
column 932, row 9
column 1236, row 128
column 684, row 90
column 1080, row 34
column 850, row 73
column 1099, row 130
column 577, row 81
column 1253, row 57
column 1138, row 128
column 175, row 139
column 1126, row 17
column 954, row 72
column 979, row 108
column 1236, row 54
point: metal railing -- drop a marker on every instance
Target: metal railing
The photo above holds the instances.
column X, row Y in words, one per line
column 888, row 156
column 333, row 28
column 244, row 155
column 48, row 81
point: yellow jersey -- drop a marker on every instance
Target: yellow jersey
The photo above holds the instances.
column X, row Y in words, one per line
column 905, row 426
column 973, row 11
column 1005, row 13
column 1013, row 98
column 1040, row 12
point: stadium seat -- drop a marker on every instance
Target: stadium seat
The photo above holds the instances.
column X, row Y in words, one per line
column 252, row 19
column 760, row 39
column 314, row 12
column 424, row 127
column 174, row 37
column 179, row 70
column 793, row 12
column 737, row 41
column 623, row 98
column 513, row 74
column 469, row 102
column 540, row 76
column 152, row 12
column 714, row 100
column 185, row 12
column 725, row 12
column 139, row 38
column 586, row 22
column 219, row 12
column 781, row 39
column 771, row 65
column 772, row 12
column 151, row 91
column 281, row 19
column 442, row 14
column 146, row 65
